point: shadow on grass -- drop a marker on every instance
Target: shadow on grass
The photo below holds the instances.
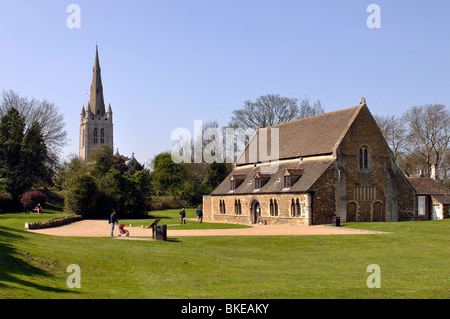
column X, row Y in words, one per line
column 16, row 265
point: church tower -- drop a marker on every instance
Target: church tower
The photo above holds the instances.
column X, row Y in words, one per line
column 96, row 126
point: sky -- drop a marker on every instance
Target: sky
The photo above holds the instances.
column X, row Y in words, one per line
column 168, row 63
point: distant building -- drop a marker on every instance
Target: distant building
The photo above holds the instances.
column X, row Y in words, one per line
column 333, row 164
column 96, row 127
column 432, row 198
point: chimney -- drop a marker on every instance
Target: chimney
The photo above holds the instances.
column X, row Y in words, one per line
column 433, row 172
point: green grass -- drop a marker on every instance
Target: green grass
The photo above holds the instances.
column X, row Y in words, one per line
column 414, row 264
column 172, row 219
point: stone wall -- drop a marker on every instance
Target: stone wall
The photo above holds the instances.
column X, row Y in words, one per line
column 53, row 223
column 246, row 215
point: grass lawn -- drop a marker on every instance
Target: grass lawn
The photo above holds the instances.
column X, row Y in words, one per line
column 414, row 264
column 172, row 219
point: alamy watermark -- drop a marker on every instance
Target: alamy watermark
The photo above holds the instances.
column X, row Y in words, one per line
column 227, row 145
column 374, row 280
column 74, row 19
column 374, row 19
column 74, row 279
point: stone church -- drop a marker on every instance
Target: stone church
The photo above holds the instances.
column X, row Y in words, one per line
column 333, row 164
column 96, row 127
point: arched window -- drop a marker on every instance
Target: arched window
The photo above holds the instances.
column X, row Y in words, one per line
column 237, row 207
column 95, row 136
column 102, row 136
column 299, row 208
column 275, row 204
column 222, row 207
column 273, row 207
column 363, row 158
column 293, row 212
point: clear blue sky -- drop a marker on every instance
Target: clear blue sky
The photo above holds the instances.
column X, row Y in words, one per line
column 168, row 63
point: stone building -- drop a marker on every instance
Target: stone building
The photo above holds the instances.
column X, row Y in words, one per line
column 333, row 164
column 96, row 127
column 432, row 198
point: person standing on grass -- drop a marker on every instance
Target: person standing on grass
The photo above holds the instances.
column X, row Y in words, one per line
column 112, row 221
column 183, row 216
column 199, row 215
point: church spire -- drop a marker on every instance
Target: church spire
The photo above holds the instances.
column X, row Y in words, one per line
column 96, row 102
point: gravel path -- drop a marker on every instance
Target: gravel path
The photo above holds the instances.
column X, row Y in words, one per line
column 101, row 228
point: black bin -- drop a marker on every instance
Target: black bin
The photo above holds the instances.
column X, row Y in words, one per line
column 161, row 232
column 336, row 221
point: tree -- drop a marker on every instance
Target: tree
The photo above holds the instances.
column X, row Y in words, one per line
column 215, row 174
column 307, row 110
column 167, row 176
column 23, row 155
column 81, row 196
column 395, row 133
column 429, row 133
column 273, row 109
column 43, row 112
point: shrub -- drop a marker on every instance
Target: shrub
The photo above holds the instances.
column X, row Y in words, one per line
column 30, row 199
column 6, row 199
column 81, row 195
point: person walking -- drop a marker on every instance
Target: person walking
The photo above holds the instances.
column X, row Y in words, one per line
column 183, row 216
column 199, row 215
column 112, row 221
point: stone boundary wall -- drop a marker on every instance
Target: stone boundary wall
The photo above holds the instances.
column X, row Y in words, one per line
column 53, row 222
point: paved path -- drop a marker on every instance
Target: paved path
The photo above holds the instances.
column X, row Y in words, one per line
column 101, row 228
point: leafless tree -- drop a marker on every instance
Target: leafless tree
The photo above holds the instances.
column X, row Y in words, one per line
column 273, row 109
column 394, row 131
column 43, row 112
column 429, row 133
column 307, row 110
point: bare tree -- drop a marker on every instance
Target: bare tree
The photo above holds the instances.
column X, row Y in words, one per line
column 307, row 110
column 266, row 111
column 395, row 133
column 273, row 109
column 43, row 112
column 429, row 132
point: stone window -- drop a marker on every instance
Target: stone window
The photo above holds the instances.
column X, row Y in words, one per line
column 296, row 209
column 95, row 136
column 222, row 209
column 364, row 158
column 237, row 207
column 273, row 207
column 102, row 136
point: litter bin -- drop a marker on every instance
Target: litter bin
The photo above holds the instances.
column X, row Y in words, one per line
column 336, row 221
column 161, row 232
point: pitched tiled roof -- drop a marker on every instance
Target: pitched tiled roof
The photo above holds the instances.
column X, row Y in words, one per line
column 316, row 135
column 312, row 170
column 428, row 186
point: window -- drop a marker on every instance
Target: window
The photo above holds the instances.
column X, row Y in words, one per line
column 421, row 204
column 273, row 207
column 95, row 136
column 222, row 207
column 102, row 136
column 237, row 207
column 257, row 183
column 363, row 158
column 296, row 210
column 232, row 185
column 287, row 181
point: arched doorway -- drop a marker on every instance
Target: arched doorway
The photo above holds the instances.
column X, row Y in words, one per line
column 255, row 209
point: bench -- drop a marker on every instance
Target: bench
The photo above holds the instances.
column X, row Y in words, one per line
column 152, row 226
